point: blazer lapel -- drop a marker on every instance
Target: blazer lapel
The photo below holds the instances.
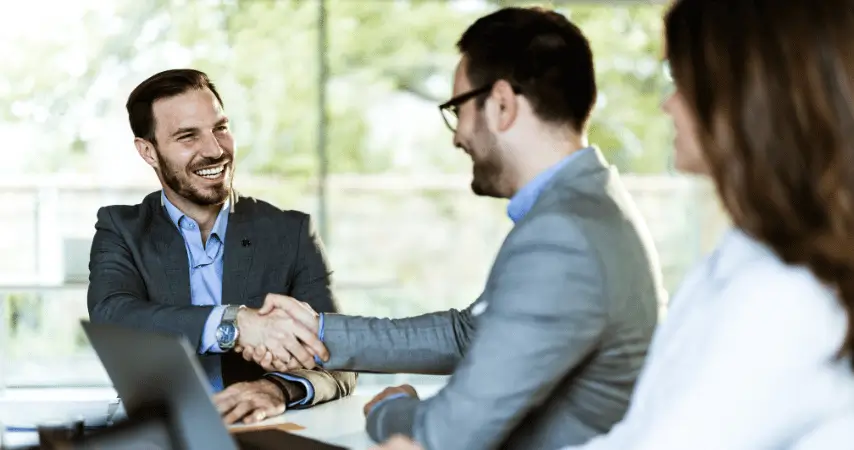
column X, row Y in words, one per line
column 240, row 248
column 173, row 256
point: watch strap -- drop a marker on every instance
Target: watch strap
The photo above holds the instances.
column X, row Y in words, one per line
column 230, row 314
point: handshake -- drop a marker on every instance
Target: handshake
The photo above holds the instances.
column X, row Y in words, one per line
column 281, row 336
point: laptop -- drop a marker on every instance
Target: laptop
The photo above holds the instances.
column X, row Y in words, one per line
column 160, row 372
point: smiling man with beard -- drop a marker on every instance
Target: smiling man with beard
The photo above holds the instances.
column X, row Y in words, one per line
column 548, row 355
column 196, row 259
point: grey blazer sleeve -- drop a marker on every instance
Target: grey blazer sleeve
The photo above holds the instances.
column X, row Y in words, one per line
column 428, row 344
column 117, row 292
column 545, row 314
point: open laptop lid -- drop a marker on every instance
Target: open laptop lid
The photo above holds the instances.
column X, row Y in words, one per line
column 161, row 370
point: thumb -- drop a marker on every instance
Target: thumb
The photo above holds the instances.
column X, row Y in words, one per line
column 269, row 305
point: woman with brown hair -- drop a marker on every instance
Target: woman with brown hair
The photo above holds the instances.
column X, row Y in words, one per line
column 756, row 351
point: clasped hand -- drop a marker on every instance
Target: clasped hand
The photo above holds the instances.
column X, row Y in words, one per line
column 281, row 336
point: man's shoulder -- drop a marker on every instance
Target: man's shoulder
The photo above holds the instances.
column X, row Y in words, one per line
column 129, row 215
column 543, row 225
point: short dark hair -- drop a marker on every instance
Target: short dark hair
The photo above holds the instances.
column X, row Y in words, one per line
column 162, row 85
column 542, row 53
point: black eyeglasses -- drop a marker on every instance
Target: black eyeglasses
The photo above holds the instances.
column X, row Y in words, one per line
column 451, row 109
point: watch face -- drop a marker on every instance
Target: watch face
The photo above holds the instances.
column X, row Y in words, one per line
column 226, row 334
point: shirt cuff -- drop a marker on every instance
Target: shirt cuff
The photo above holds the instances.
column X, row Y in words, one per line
column 309, row 389
column 208, row 343
column 392, row 415
column 386, row 400
column 317, row 359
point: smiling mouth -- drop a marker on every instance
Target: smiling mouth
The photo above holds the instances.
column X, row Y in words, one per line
column 211, row 173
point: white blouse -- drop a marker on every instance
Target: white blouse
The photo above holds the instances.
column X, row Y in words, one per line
column 744, row 360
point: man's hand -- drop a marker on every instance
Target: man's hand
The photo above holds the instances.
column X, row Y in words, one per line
column 398, row 442
column 251, row 401
column 282, row 328
column 297, row 314
column 387, row 392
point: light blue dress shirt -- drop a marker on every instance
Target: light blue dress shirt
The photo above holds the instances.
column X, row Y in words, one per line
column 206, row 263
column 526, row 197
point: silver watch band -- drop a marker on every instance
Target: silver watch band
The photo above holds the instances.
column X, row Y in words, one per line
column 230, row 314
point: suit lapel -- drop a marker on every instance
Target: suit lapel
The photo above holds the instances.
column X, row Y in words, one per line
column 240, row 248
column 172, row 253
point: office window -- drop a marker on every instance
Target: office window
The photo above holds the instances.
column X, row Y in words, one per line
column 404, row 234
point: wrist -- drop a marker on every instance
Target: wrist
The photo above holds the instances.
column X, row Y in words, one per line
column 289, row 390
column 242, row 322
column 227, row 332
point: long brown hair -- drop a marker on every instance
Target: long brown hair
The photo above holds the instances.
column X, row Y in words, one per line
column 772, row 87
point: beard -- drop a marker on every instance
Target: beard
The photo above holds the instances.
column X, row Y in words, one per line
column 182, row 183
column 488, row 171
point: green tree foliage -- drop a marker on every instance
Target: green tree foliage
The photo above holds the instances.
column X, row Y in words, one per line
column 264, row 56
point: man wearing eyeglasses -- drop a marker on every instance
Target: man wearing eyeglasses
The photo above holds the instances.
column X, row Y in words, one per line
column 548, row 355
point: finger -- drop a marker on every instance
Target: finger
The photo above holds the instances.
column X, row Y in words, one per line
column 267, row 363
column 239, row 412
column 238, row 349
column 296, row 348
column 307, row 317
column 249, row 354
column 312, row 341
column 370, row 405
column 399, row 442
column 276, row 301
column 308, row 308
column 224, row 402
column 269, row 305
column 267, row 410
column 294, row 365
column 288, row 348
column 257, row 414
column 281, row 366
column 260, row 351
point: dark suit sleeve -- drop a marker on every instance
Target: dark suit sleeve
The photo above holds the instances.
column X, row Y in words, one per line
column 117, row 293
column 312, row 278
column 313, row 285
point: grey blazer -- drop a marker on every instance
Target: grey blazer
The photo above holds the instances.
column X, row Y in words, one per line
column 139, row 276
column 548, row 355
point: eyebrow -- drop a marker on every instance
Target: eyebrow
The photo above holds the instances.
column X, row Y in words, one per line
column 186, row 130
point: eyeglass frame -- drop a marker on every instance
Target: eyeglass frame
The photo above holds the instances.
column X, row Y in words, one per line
column 453, row 105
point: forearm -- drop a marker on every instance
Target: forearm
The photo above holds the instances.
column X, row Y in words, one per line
column 130, row 311
column 429, row 344
column 544, row 314
column 118, row 294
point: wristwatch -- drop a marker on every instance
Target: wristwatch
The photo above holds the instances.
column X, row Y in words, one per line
column 227, row 332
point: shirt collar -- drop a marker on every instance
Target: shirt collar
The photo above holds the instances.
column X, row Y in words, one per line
column 526, row 197
column 176, row 215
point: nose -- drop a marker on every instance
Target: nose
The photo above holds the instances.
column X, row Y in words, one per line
column 456, row 140
column 668, row 102
column 211, row 147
